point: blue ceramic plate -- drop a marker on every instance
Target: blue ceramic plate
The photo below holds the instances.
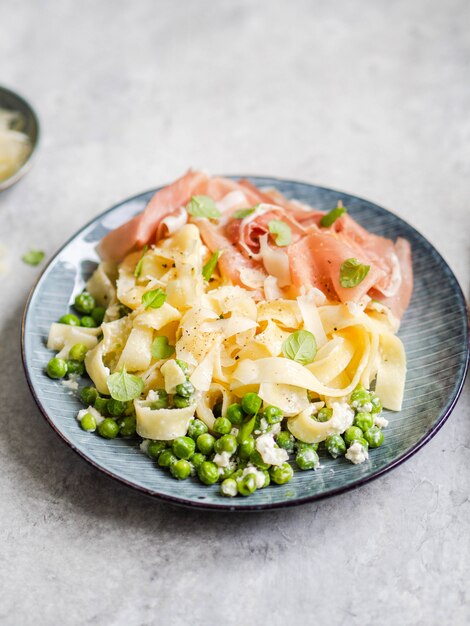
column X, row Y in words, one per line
column 434, row 331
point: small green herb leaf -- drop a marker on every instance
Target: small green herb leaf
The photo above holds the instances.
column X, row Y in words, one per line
column 33, row 257
column 138, row 267
column 161, row 349
column 210, row 266
column 242, row 213
column 281, row 231
column 352, row 273
column 203, row 206
column 154, row 299
column 330, row 218
column 124, row 387
column 300, row 346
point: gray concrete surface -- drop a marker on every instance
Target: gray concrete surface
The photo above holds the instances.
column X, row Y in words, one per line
column 369, row 97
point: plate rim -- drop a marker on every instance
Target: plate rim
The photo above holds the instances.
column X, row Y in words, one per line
column 224, row 505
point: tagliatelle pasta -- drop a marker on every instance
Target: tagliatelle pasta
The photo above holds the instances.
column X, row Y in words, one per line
column 224, row 340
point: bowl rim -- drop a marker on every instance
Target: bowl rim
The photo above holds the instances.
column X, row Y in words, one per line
column 26, row 166
column 224, row 506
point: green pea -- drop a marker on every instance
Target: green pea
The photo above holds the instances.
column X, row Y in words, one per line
column 257, row 460
column 181, row 469
column 228, row 488
column 183, row 447
column 127, row 426
column 115, row 407
column 324, row 414
column 88, row 322
column 363, row 420
column 251, row 403
column 246, row 448
column 167, row 458
column 246, row 429
column 75, row 367
column 205, row 443
column 235, row 414
column 84, row 303
column 281, row 474
column 359, row 397
column 376, row 404
column 335, row 446
column 185, row 389
column 78, row 352
column 88, row 423
column 196, row 427
column 208, row 472
column 374, row 437
column 101, row 405
column 300, row 445
column 56, row 368
column 70, row 319
column 227, row 443
column 88, row 395
column 162, row 400
column 183, row 366
column 225, row 472
column 108, row 428
column 222, row 426
column 285, row 440
column 273, row 415
column 197, row 459
column 351, row 434
column 246, row 485
column 98, row 314
column 130, row 408
column 155, row 448
column 363, row 442
column 307, row 459
column 179, row 402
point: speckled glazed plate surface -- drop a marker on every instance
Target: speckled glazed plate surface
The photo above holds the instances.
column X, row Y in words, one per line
column 434, row 331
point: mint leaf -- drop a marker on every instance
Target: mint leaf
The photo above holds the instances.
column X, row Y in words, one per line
column 352, row 273
column 33, row 257
column 330, row 218
column 203, row 206
column 300, row 346
column 138, row 267
column 161, row 349
column 281, row 231
column 211, row 264
column 154, row 299
column 242, row 213
column 124, row 387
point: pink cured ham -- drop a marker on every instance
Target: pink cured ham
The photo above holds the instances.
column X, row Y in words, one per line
column 316, row 260
column 141, row 229
column 315, row 254
column 399, row 301
column 231, row 261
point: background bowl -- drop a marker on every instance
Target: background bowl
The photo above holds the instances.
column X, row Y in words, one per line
column 11, row 100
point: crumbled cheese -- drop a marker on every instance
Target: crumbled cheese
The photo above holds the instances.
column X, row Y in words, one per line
column 367, row 406
column 381, row 422
column 71, row 383
column 144, row 446
column 258, row 474
column 173, row 375
column 357, row 453
column 222, row 459
column 275, row 429
column 343, row 415
column 96, row 414
column 234, row 432
column 270, row 453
